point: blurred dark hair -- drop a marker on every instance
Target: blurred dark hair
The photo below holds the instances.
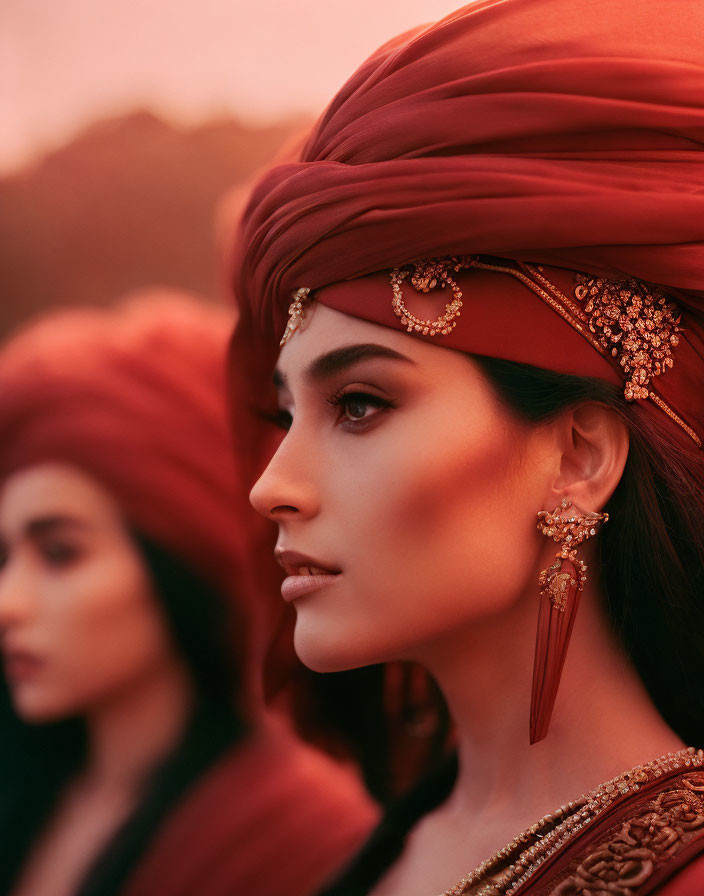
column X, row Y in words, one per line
column 652, row 554
column 36, row 761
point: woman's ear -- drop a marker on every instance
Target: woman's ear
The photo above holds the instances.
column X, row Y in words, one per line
column 593, row 443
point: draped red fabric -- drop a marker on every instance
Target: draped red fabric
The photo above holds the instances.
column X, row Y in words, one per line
column 289, row 834
column 688, row 882
column 564, row 134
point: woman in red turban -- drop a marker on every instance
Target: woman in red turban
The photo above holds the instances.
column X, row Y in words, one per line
column 482, row 275
column 135, row 756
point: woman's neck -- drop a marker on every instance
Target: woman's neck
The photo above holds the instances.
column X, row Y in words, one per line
column 137, row 727
column 603, row 722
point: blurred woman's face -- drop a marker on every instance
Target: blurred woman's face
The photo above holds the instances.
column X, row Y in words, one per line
column 404, row 486
column 79, row 624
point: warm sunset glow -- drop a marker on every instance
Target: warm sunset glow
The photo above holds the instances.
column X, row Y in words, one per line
column 65, row 64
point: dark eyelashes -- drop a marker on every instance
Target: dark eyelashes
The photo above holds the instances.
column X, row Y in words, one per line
column 340, row 400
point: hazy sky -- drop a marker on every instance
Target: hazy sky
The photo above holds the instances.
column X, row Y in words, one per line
column 64, row 63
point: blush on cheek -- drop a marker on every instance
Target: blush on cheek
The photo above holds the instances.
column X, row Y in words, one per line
column 450, row 516
column 466, row 470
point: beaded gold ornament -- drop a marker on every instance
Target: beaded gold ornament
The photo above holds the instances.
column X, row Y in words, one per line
column 571, row 531
column 296, row 313
column 427, row 274
column 635, row 323
column 627, row 320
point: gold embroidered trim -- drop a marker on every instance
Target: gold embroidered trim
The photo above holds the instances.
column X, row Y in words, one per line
column 508, row 869
column 577, row 318
column 670, row 413
column 624, row 320
column 660, row 829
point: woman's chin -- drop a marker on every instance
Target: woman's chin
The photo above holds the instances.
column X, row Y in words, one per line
column 322, row 653
column 40, row 712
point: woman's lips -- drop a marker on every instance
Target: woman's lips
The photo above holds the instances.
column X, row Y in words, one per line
column 21, row 666
column 303, row 583
column 304, row 573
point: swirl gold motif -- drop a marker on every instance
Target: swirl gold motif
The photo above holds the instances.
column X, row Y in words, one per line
column 663, row 826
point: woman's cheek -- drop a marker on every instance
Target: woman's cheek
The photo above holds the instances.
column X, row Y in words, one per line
column 447, row 521
column 104, row 631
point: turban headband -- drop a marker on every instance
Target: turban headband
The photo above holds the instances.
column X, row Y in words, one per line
column 135, row 397
column 555, row 148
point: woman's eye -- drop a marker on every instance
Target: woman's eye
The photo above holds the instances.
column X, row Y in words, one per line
column 59, row 554
column 358, row 408
column 281, row 418
column 355, row 407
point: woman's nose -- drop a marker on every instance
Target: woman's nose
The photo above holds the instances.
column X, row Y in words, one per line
column 15, row 594
column 286, row 489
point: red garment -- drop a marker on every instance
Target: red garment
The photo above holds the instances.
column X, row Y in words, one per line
column 565, row 134
column 306, row 818
column 689, row 882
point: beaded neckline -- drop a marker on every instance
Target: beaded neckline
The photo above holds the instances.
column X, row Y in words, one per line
column 557, row 828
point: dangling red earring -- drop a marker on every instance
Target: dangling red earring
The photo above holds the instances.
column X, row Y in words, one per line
column 560, row 587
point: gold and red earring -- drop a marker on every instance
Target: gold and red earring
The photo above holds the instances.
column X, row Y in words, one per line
column 560, row 587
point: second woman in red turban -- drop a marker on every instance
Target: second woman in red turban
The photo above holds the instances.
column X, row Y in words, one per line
column 135, row 756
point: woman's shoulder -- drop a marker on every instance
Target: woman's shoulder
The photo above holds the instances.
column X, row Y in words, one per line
column 271, row 813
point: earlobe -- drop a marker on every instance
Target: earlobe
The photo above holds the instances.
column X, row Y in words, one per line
column 594, row 448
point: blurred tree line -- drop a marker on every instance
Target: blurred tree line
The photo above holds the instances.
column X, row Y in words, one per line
column 130, row 202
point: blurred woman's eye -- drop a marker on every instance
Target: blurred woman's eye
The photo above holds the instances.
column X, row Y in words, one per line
column 59, row 554
column 281, row 418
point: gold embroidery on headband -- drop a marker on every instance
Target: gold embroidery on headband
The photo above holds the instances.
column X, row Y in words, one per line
column 628, row 321
column 635, row 323
column 425, row 275
column 296, row 313
column 624, row 326
column 676, row 417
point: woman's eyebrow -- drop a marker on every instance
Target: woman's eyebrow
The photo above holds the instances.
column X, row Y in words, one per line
column 47, row 524
column 340, row 359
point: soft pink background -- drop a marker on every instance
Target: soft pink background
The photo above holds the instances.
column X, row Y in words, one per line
column 64, row 63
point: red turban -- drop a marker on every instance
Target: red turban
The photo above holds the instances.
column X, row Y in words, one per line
column 135, row 396
column 564, row 134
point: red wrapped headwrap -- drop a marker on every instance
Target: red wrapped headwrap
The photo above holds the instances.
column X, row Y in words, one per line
column 562, row 134
column 135, row 397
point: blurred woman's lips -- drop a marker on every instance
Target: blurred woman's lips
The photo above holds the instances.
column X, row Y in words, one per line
column 20, row 665
column 304, row 574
